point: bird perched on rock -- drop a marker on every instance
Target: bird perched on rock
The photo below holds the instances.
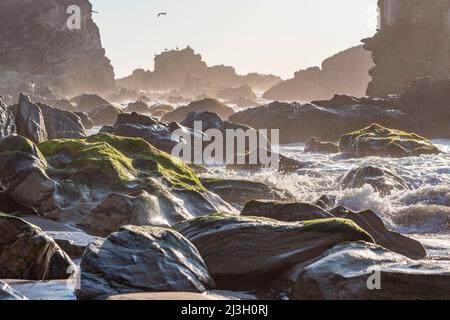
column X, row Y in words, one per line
column 162, row 14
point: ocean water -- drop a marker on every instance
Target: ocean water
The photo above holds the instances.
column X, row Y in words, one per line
column 423, row 211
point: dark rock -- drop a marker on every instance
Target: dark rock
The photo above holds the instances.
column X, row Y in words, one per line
column 89, row 102
column 8, row 293
column 87, row 122
column 159, row 110
column 239, row 192
column 298, row 122
column 326, row 201
column 211, row 105
column 283, row 211
column 346, row 73
column 345, row 271
column 313, row 145
column 28, row 253
column 243, row 252
column 23, row 174
column 412, row 41
column 105, row 115
column 380, row 141
column 237, row 93
column 30, row 121
column 138, row 107
column 7, row 125
column 391, row 240
column 9, row 205
column 119, row 265
column 38, row 48
column 382, row 180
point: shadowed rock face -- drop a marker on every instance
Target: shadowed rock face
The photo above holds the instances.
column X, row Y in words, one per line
column 350, row 267
column 345, row 73
column 7, row 125
column 28, row 253
column 413, row 41
column 37, row 47
column 142, row 259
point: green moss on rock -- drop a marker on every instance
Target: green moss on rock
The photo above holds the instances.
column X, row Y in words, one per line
column 115, row 159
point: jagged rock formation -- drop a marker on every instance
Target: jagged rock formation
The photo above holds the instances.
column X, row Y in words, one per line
column 36, row 47
column 344, row 73
column 7, row 125
column 413, row 41
column 175, row 69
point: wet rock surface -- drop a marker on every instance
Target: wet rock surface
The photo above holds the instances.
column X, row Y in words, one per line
column 28, row 253
column 380, row 141
column 262, row 248
column 142, row 259
column 210, row 105
column 351, row 268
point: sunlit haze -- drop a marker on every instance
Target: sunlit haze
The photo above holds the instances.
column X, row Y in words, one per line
column 265, row 36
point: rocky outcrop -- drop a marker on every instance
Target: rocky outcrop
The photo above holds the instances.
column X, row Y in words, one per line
column 381, row 234
column 240, row 192
column 380, row 141
column 210, row 105
column 28, row 253
column 87, row 122
column 38, row 48
column 138, row 107
column 313, row 145
column 382, row 180
column 159, row 110
column 105, row 115
column 8, row 293
column 7, row 125
column 23, row 174
column 119, row 265
column 298, row 122
column 101, row 182
column 89, row 102
column 284, row 211
column 61, row 124
column 412, row 41
column 345, row 73
column 262, row 248
column 30, row 120
column 231, row 94
column 174, row 69
column 347, row 272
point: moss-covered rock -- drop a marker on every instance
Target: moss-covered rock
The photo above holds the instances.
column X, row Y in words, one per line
column 380, row 141
column 244, row 252
column 124, row 178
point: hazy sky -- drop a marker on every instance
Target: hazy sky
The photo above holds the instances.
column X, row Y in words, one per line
column 266, row 36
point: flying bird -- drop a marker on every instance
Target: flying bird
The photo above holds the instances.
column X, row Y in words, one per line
column 162, row 14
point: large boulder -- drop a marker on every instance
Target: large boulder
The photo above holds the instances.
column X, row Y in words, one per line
column 239, row 192
column 313, row 145
column 380, row 141
column 382, row 180
column 90, row 171
column 364, row 271
column 382, row 235
column 87, row 122
column 8, row 293
column 30, row 121
column 23, row 174
column 298, row 122
column 138, row 107
column 284, row 211
column 89, row 102
column 62, row 124
column 241, row 252
column 28, row 253
column 346, row 73
column 142, row 259
column 210, row 105
column 7, row 125
column 105, row 115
